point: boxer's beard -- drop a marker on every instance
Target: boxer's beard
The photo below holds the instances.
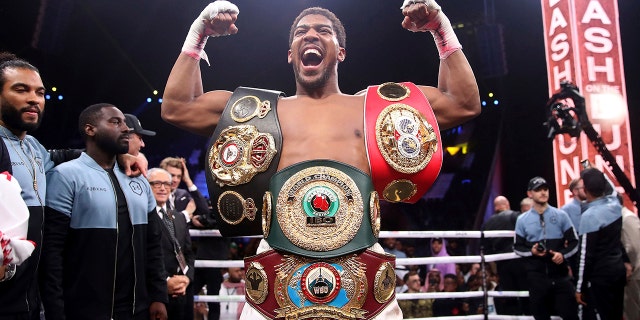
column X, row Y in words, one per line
column 316, row 81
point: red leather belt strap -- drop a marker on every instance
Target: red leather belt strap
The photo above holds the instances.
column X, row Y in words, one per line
column 404, row 125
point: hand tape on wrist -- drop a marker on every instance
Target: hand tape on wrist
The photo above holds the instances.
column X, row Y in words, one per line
column 443, row 34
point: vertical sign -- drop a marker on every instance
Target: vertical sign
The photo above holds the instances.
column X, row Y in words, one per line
column 582, row 44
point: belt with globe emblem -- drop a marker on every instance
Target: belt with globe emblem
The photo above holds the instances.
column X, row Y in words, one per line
column 403, row 141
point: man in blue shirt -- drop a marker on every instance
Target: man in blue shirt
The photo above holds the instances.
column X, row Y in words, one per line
column 574, row 207
column 101, row 255
column 546, row 239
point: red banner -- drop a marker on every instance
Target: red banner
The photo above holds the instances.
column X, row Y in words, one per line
column 582, row 43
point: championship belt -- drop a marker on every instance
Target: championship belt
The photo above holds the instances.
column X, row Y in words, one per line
column 355, row 286
column 245, row 146
column 321, row 209
column 403, row 141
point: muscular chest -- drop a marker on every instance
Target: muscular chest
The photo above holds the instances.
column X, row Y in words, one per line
column 329, row 123
column 323, row 131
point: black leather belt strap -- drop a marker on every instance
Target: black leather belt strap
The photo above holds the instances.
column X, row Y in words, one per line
column 232, row 199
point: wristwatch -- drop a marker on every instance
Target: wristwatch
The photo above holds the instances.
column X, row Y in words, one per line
column 9, row 272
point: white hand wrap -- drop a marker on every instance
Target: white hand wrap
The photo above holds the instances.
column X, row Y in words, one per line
column 431, row 4
column 440, row 27
column 196, row 38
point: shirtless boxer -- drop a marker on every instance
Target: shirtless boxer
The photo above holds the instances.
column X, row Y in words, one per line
column 319, row 217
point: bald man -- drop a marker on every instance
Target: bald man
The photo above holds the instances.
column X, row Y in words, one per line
column 500, row 203
column 510, row 271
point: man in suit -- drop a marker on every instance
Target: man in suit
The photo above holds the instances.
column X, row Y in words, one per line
column 190, row 202
column 176, row 244
column 195, row 209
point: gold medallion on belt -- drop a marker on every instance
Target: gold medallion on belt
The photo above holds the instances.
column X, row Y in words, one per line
column 256, row 283
column 319, row 209
column 405, row 139
column 239, row 153
column 329, row 289
column 233, row 207
column 247, row 107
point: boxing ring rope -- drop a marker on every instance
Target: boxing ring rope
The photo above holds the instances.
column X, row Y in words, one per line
column 482, row 259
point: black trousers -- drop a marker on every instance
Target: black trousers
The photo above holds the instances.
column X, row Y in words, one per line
column 176, row 308
column 605, row 297
column 552, row 296
column 511, row 279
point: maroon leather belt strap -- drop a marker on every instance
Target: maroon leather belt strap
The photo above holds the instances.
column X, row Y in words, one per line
column 355, row 286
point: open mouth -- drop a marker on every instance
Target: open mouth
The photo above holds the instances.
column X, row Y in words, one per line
column 311, row 57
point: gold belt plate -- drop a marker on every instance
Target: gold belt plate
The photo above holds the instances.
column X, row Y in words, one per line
column 405, row 139
column 239, row 153
column 331, row 289
column 319, row 209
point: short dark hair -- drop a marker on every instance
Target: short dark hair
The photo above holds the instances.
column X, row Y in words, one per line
column 90, row 115
column 594, row 181
column 573, row 183
column 409, row 274
column 9, row 60
column 451, row 276
column 341, row 35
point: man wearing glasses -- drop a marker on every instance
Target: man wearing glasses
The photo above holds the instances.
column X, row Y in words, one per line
column 176, row 244
column 545, row 238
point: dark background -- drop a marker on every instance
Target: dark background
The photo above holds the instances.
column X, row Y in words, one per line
column 120, row 51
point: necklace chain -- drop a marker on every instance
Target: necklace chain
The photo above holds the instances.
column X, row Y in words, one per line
column 31, row 159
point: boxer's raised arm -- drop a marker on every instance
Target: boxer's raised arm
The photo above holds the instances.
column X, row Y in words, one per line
column 456, row 99
column 184, row 104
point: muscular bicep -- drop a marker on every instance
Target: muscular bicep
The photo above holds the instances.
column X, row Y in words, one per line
column 449, row 111
column 184, row 103
column 456, row 99
column 199, row 115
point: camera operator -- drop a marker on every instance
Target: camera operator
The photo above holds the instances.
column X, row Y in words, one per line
column 545, row 237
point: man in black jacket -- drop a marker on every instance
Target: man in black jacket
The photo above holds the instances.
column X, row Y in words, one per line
column 601, row 270
column 176, row 245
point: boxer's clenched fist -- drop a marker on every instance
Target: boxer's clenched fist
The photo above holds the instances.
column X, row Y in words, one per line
column 420, row 15
column 217, row 19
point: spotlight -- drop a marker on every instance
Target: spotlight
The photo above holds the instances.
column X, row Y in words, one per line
column 148, row 99
column 46, row 96
column 60, row 97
